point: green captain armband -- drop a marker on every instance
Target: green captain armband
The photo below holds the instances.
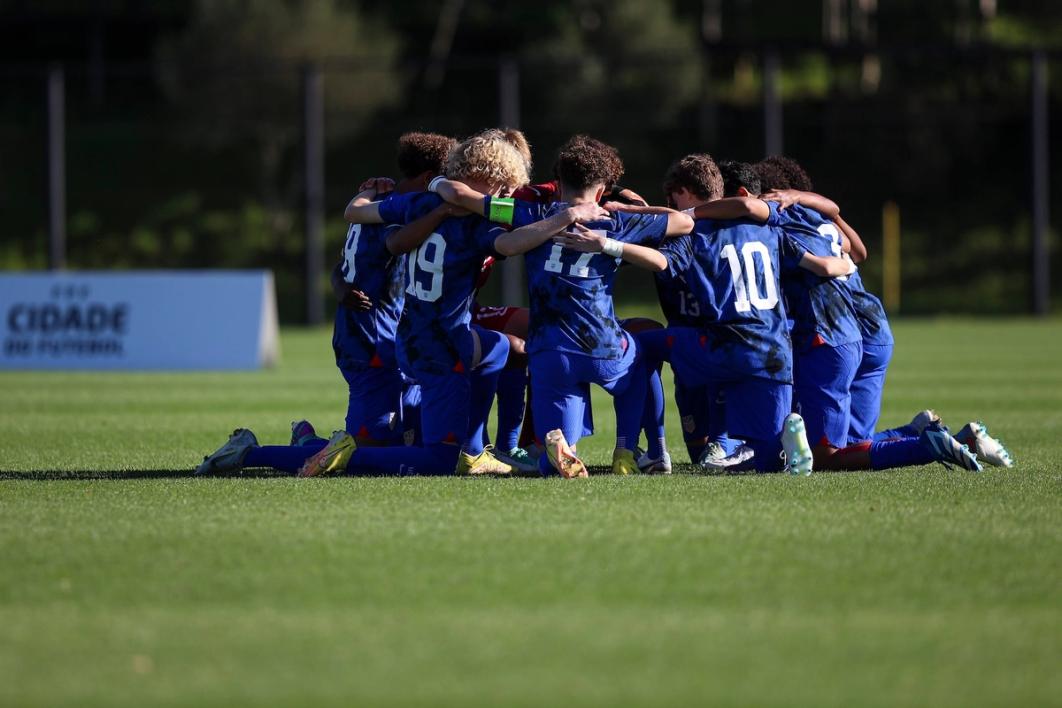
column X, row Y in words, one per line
column 500, row 211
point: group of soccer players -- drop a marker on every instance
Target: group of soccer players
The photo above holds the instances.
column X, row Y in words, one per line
column 779, row 353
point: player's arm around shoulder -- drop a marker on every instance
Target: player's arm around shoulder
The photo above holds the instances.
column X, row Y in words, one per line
column 529, row 236
column 416, row 232
column 363, row 208
column 584, row 240
column 731, row 208
column 678, row 223
column 828, row 266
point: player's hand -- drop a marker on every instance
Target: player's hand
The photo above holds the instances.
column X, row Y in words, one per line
column 587, row 212
column 784, row 197
column 357, row 300
column 581, row 239
column 380, row 185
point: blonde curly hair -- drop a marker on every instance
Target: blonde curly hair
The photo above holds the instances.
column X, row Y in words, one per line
column 489, row 157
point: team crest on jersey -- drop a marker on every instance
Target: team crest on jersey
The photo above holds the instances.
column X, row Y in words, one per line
column 409, row 437
column 688, row 423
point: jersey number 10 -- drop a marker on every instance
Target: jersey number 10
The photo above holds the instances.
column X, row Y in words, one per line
column 746, row 288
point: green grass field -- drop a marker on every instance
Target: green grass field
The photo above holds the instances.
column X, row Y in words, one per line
column 123, row 583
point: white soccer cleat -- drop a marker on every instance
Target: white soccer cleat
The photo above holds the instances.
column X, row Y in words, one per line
column 519, row 459
column 712, row 454
column 661, row 465
column 947, row 450
column 795, row 447
column 230, row 456
column 924, row 419
column 974, row 435
column 733, row 463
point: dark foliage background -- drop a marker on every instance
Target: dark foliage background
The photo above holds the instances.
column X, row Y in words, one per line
column 184, row 118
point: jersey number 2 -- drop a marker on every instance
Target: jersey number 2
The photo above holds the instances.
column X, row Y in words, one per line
column 419, row 260
column 746, row 290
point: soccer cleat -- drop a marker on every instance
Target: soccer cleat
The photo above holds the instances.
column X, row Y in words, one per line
column 519, row 459
column 728, row 464
column 947, row 450
column 623, row 462
column 483, row 463
column 923, row 419
column 562, row 457
column 301, row 433
column 229, row 456
column 332, row 458
column 661, row 465
column 713, row 452
column 798, row 458
column 974, row 435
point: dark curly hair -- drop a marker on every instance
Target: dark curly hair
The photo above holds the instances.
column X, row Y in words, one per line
column 423, row 152
column 738, row 174
column 584, row 162
column 795, row 175
column 698, row 174
column 771, row 176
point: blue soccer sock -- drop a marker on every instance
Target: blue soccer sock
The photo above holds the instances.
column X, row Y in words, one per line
column 905, row 452
column 630, row 407
column 286, row 458
column 653, row 416
column 904, row 431
column 437, row 459
column 484, row 384
column 512, row 383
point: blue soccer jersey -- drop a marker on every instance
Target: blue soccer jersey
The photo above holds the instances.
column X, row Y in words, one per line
column 821, row 308
column 734, row 277
column 677, row 301
column 873, row 323
column 440, row 283
column 571, row 292
column 368, row 338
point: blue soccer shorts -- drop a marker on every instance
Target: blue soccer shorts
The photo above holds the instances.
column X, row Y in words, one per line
column 560, row 388
column 866, row 389
column 822, row 380
column 374, row 403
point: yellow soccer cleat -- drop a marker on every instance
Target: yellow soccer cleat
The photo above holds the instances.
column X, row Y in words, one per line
column 562, row 457
column 623, row 462
column 331, row 458
column 483, row 463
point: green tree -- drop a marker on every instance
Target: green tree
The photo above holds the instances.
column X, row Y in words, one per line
column 234, row 75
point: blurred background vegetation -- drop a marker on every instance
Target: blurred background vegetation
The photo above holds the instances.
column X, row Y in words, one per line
column 184, row 119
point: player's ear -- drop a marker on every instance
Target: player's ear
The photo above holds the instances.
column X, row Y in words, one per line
column 599, row 193
column 742, row 192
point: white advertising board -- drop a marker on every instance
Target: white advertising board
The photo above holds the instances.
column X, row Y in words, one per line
column 205, row 320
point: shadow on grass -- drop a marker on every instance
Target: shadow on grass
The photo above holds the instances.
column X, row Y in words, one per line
column 74, row 475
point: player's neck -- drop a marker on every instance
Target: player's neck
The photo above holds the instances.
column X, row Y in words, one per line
column 575, row 197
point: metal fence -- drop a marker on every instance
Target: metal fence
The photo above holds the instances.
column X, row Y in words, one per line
column 102, row 171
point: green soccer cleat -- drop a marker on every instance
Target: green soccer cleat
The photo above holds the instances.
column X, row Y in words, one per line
column 519, row 459
column 332, row 458
column 229, row 457
column 623, row 462
column 482, row 464
column 795, row 447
